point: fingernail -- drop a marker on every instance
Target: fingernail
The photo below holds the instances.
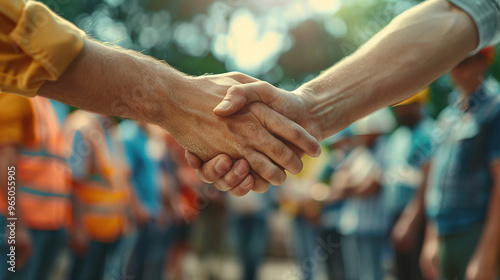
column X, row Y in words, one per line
column 246, row 183
column 239, row 169
column 220, row 167
column 224, row 105
column 318, row 152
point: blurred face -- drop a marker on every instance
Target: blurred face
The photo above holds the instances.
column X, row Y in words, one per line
column 366, row 140
column 469, row 71
column 408, row 114
column 341, row 143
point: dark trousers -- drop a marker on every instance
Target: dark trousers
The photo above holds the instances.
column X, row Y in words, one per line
column 251, row 233
column 92, row 266
column 334, row 264
column 456, row 250
column 408, row 263
column 47, row 245
column 149, row 253
column 305, row 235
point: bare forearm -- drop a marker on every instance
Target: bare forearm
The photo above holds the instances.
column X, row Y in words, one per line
column 415, row 210
column 489, row 244
column 411, row 52
column 118, row 82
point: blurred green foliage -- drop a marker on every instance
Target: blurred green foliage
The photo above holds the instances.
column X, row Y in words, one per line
column 195, row 36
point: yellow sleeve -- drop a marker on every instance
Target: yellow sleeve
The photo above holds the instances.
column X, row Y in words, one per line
column 16, row 120
column 35, row 45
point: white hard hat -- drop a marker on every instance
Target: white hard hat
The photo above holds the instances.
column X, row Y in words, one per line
column 379, row 122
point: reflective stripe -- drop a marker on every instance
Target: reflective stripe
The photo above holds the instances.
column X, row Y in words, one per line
column 42, row 173
column 42, row 153
column 40, row 193
column 44, row 213
column 102, row 197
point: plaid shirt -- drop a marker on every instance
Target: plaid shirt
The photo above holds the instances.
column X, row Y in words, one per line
column 460, row 182
column 486, row 15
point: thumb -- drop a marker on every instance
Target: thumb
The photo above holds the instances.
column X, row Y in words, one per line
column 240, row 95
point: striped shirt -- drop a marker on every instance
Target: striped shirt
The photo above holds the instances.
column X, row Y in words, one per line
column 460, row 179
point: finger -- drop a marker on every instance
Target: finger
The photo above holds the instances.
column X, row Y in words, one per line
column 254, row 183
column 275, row 150
column 244, row 187
column 286, row 129
column 260, row 185
column 234, row 177
column 242, row 78
column 238, row 96
column 263, row 166
column 215, row 168
column 192, row 160
column 294, row 148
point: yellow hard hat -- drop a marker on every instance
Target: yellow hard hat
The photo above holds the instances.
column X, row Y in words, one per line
column 421, row 97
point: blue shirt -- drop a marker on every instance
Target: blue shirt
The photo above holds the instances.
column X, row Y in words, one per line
column 81, row 156
column 366, row 216
column 144, row 165
column 330, row 212
column 486, row 16
column 410, row 149
column 460, row 180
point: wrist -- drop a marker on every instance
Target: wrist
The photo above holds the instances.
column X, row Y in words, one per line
column 327, row 106
column 314, row 123
column 171, row 94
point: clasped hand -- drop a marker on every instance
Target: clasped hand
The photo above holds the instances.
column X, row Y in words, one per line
column 263, row 141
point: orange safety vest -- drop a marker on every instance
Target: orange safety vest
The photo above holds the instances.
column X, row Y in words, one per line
column 103, row 195
column 43, row 175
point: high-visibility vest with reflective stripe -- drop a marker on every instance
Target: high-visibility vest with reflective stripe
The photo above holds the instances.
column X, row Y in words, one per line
column 43, row 175
column 103, row 195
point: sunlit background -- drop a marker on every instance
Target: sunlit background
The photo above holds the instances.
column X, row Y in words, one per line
column 284, row 42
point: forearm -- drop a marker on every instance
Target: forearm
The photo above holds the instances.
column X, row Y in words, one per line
column 411, row 52
column 118, row 82
column 415, row 210
column 489, row 244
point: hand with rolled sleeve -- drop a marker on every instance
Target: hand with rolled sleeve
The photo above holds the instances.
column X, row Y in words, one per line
column 41, row 53
column 415, row 49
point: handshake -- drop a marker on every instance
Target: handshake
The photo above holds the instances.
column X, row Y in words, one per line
column 230, row 117
column 254, row 134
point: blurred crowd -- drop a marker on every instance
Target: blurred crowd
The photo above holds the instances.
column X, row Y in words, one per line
column 397, row 195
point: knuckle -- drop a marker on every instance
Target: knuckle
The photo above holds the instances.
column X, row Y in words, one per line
column 251, row 129
column 295, row 131
column 272, row 174
column 287, row 157
column 238, row 146
column 263, row 84
column 279, row 150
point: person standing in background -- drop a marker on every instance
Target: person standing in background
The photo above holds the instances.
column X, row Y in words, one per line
column 101, row 195
column 405, row 176
column 296, row 198
column 364, row 223
column 31, row 141
column 463, row 197
column 341, row 143
column 145, row 150
column 249, row 225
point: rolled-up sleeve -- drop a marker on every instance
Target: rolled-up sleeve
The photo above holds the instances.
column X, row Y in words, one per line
column 36, row 45
column 486, row 15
